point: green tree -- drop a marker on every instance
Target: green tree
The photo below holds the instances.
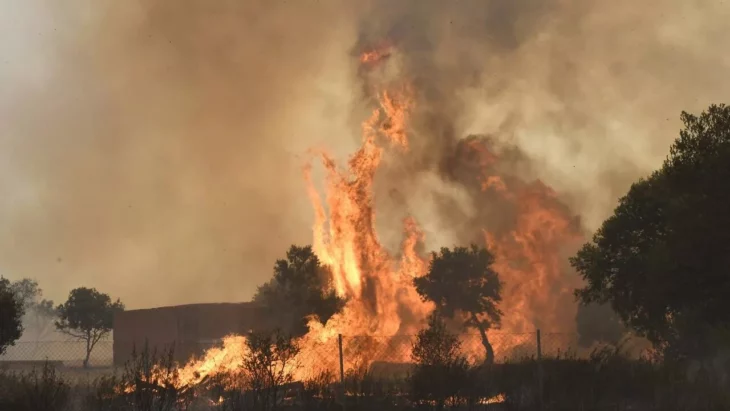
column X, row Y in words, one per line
column 662, row 259
column 11, row 313
column 463, row 281
column 300, row 289
column 87, row 315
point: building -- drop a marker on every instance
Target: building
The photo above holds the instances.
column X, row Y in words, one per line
column 187, row 329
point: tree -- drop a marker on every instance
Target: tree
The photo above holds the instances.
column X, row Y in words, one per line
column 440, row 370
column 87, row 315
column 662, row 259
column 300, row 289
column 268, row 364
column 11, row 313
column 39, row 312
column 463, row 281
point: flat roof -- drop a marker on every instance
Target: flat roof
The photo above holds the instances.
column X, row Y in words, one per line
column 196, row 305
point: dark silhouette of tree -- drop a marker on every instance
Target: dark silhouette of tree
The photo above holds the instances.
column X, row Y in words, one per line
column 269, row 364
column 300, row 289
column 662, row 259
column 88, row 316
column 463, row 281
column 11, row 313
column 440, row 368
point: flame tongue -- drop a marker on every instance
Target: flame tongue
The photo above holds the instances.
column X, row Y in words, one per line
column 344, row 232
column 381, row 299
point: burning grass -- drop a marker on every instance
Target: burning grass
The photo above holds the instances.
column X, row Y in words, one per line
column 607, row 379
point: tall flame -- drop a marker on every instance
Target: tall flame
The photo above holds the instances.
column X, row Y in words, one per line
column 378, row 287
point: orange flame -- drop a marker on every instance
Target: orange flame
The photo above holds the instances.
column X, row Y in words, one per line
column 377, row 54
column 381, row 298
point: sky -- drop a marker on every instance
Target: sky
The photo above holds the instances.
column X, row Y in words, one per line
column 154, row 150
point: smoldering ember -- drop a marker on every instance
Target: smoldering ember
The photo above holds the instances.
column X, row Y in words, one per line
column 470, row 205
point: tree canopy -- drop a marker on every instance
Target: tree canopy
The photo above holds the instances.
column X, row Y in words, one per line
column 87, row 315
column 11, row 314
column 39, row 313
column 662, row 259
column 300, row 289
column 462, row 281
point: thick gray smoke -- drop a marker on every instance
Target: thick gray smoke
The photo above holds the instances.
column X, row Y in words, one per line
column 152, row 149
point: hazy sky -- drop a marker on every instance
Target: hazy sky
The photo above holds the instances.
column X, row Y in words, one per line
column 154, row 149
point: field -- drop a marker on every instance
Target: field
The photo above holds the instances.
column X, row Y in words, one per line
column 606, row 379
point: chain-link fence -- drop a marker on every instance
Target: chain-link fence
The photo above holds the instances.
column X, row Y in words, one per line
column 65, row 353
column 355, row 352
column 392, row 353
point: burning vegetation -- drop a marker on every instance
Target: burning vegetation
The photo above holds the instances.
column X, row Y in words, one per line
column 522, row 223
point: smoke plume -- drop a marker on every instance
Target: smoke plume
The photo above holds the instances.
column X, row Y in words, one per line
column 153, row 150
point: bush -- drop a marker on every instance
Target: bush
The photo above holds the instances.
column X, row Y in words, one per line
column 151, row 382
column 440, row 371
column 268, row 366
column 43, row 390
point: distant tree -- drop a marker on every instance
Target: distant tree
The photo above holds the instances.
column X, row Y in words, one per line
column 87, row 315
column 39, row 312
column 463, row 281
column 301, row 288
column 662, row 259
column 441, row 369
column 11, row 313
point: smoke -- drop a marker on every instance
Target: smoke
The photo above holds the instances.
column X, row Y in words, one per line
column 153, row 150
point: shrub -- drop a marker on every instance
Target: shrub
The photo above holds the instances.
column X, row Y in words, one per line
column 37, row 390
column 440, row 371
column 151, row 382
column 268, row 366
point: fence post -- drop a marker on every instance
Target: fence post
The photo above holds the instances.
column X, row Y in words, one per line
column 342, row 373
column 540, row 383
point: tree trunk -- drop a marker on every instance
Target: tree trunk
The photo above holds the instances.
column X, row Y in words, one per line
column 489, row 359
column 88, row 352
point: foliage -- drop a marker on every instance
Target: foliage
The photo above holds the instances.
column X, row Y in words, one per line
column 39, row 312
column 268, row 367
column 661, row 259
column 607, row 379
column 87, row 315
column 463, row 281
column 31, row 295
column 11, row 313
column 153, row 380
column 301, row 288
column 43, row 390
column 103, row 394
column 441, row 370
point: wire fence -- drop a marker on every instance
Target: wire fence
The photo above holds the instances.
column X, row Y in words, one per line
column 375, row 353
column 65, row 353
column 393, row 354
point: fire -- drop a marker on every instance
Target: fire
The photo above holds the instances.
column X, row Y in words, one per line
column 530, row 255
column 497, row 399
column 378, row 286
column 225, row 360
column 376, row 55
